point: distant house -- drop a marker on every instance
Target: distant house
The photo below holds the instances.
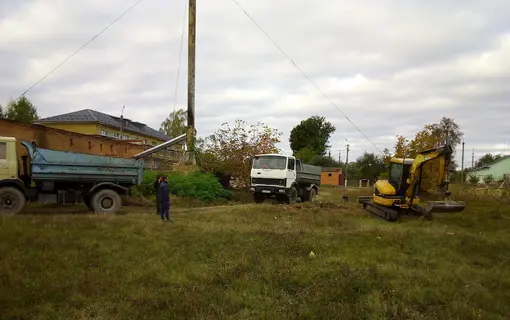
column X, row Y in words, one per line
column 499, row 170
column 96, row 123
column 332, row 176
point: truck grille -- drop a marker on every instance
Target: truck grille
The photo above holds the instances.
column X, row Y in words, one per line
column 268, row 181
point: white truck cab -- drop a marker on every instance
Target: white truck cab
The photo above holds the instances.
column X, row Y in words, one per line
column 283, row 177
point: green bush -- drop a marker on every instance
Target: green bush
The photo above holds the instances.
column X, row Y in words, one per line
column 196, row 185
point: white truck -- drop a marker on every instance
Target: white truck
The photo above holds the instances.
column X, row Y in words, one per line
column 284, row 178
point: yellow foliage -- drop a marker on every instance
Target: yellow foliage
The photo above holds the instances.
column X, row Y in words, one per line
column 427, row 138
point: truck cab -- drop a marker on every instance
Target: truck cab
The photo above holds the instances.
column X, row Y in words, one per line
column 284, row 178
column 8, row 159
column 12, row 195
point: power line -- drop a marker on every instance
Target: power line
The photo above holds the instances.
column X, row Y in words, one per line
column 180, row 52
column 80, row 48
column 179, row 63
column 304, row 74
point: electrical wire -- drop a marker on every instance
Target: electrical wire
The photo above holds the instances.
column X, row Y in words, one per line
column 180, row 60
column 80, row 48
column 304, row 74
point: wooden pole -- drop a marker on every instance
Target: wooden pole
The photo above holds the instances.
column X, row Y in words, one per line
column 462, row 165
column 191, row 132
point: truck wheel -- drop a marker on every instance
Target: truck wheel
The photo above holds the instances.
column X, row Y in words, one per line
column 293, row 195
column 87, row 200
column 258, row 198
column 312, row 195
column 106, row 201
column 12, row 200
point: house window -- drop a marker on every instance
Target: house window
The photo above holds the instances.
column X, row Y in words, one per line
column 145, row 142
column 154, row 143
column 115, row 135
column 3, row 151
column 125, row 137
column 104, row 133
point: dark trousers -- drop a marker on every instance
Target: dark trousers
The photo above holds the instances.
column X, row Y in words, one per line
column 158, row 204
column 165, row 211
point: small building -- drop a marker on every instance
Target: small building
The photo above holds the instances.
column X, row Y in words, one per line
column 364, row 183
column 332, row 176
column 499, row 170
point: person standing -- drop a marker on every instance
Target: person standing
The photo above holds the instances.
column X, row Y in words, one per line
column 164, row 197
column 156, row 188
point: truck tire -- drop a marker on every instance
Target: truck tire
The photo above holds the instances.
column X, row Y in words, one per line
column 259, row 197
column 312, row 194
column 12, row 200
column 106, row 201
column 293, row 195
column 87, row 200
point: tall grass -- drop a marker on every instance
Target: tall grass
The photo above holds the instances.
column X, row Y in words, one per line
column 254, row 262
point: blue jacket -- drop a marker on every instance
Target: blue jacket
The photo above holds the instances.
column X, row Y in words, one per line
column 164, row 193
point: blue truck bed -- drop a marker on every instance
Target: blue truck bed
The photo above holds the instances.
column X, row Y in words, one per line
column 51, row 165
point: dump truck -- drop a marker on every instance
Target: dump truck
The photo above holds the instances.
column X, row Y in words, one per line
column 62, row 177
column 284, row 178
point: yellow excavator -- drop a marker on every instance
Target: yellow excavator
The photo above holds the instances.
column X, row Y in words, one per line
column 400, row 193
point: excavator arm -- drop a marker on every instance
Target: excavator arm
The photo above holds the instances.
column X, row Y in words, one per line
column 443, row 154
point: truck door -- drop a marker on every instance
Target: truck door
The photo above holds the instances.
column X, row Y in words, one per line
column 8, row 168
column 291, row 171
column 4, row 165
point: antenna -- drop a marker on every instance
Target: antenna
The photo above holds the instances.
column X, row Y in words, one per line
column 121, row 121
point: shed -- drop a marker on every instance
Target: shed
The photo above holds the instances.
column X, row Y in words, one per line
column 332, row 176
column 499, row 170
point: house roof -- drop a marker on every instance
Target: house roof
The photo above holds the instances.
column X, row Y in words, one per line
column 487, row 166
column 88, row 115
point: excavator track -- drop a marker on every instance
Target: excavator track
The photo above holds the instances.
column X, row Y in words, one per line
column 385, row 213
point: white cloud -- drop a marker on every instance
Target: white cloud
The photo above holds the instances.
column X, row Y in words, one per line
column 390, row 66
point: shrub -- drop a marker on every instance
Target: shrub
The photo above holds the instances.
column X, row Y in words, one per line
column 474, row 179
column 197, row 185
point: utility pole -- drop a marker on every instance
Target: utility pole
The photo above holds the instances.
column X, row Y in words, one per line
column 346, row 164
column 473, row 159
column 191, row 132
column 339, row 157
column 462, row 164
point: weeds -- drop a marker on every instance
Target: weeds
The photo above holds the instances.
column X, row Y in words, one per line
column 253, row 262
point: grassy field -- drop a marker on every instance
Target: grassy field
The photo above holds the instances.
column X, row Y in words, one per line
column 254, row 262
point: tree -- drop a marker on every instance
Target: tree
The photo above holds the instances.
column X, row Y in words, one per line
column 175, row 124
column 2, row 116
column 229, row 149
column 487, row 159
column 431, row 136
column 21, row 110
column 305, row 154
column 369, row 166
column 312, row 133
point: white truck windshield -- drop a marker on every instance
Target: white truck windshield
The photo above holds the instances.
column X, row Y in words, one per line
column 270, row 162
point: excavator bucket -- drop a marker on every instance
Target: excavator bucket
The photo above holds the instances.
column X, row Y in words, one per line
column 447, row 206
